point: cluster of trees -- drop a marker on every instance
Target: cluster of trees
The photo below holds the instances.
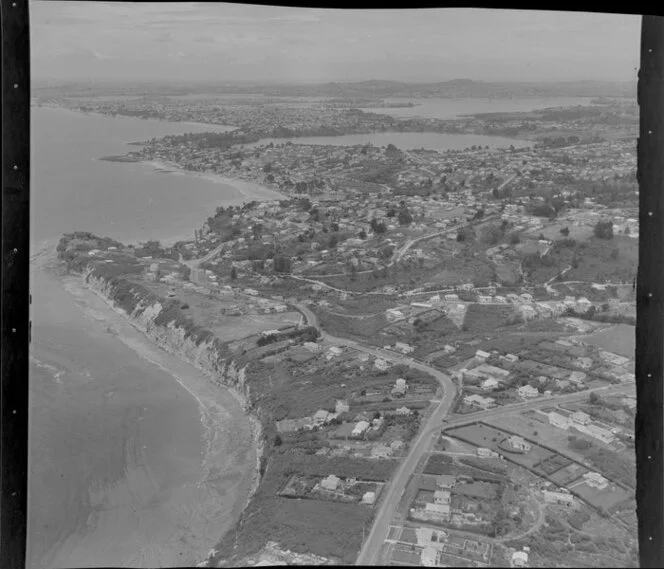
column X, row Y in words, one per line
column 307, row 334
column 202, row 140
column 465, row 234
column 282, row 264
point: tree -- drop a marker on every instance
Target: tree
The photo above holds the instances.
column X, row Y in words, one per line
column 277, row 441
column 565, row 231
column 405, row 218
column 233, row 273
column 362, row 234
column 334, row 226
column 594, row 399
column 514, row 239
column 614, row 254
column 603, row 230
column 282, row 264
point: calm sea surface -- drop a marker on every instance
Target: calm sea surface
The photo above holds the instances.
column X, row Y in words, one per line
column 446, row 109
column 125, row 470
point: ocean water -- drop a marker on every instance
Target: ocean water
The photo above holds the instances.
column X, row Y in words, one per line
column 135, row 459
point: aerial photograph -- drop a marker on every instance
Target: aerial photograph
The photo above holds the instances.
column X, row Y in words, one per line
column 324, row 286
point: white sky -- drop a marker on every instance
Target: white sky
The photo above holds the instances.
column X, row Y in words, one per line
column 218, row 42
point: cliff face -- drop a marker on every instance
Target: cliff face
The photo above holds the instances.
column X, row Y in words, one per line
column 173, row 334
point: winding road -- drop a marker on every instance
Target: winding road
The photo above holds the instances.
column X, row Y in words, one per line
column 393, row 492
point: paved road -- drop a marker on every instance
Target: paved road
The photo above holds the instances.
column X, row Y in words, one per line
column 394, row 490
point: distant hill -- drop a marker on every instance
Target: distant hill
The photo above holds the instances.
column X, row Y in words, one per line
column 371, row 89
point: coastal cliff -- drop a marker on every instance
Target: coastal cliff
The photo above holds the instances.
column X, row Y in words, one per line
column 156, row 319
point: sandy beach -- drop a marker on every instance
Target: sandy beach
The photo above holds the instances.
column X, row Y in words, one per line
column 246, row 189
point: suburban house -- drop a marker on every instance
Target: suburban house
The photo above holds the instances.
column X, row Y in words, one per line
column 479, row 401
column 584, row 363
column 603, row 435
column 577, row 377
column 580, row 418
column 381, row 364
column 527, row 391
column 369, row 498
column 360, row 428
column 403, row 347
column 558, row 420
column 330, row 483
column 518, row 443
column 392, row 315
column 519, row 559
column 561, row 498
column 482, row 355
column 341, row 406
column 595, row 480
column 486, row 453
column 489, row 384
column 441, row 497
column 446, row 481
column 400, row 386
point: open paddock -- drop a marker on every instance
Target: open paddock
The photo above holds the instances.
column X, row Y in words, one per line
column 567, row 475
column 554, row 438
column 605, row 499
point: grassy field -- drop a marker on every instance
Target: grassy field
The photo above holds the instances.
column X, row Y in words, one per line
column 365, row 328
column 548, row 435
column 328, row 529
column 605, row 499
column 619, row 339
column 568, row 474
column 597, row 261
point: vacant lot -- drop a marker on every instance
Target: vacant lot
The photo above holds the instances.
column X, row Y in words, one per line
column 619, row 339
